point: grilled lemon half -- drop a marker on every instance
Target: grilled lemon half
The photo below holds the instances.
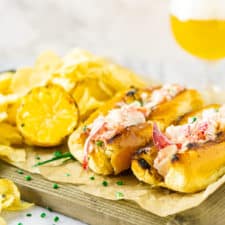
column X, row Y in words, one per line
column 47, row 115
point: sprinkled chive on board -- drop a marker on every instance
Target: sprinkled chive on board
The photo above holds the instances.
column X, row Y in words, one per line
column 70, row 201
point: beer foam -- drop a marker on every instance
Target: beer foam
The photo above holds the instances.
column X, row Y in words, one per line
column 198, row 9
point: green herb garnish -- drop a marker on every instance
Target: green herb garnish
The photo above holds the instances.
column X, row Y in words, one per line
column 141, row 102
column 84, row 128
column 68, row 174
column 56, row 219
column 119, row 195
column 38, row 157
column 20, row 224
column 99, row 143
column 20, row 171
column 120, row 182
column 28, row 178
column 60, row 156
column 193, row 119
column 55, row 186
column 22, row 125
column 43, row 215
column 28, row 214
column 58, row 153
column 104, row 183
column 49, row 209
column 92, row 178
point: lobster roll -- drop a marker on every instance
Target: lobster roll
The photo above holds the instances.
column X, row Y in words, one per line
column 106, row 142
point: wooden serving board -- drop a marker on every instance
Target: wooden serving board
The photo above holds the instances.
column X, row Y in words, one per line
column 72, row 202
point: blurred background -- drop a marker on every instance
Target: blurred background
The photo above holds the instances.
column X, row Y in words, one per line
column 135, row 33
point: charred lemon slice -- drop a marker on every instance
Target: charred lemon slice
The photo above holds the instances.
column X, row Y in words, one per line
column 47, row 115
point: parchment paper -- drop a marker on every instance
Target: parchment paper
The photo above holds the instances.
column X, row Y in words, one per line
column 161, row 202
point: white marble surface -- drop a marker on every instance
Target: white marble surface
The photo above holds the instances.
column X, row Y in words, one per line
column 118, row 28
column 35, row 219
column 131, row 31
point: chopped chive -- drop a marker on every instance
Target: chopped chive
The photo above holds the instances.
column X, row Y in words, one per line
column 38, row 157
column 120, row 182
column 56, row 219
column 119, row 195
column 28, row 178
column 49, row 209
column 140, row 102
column 68, row 174
column 55, row 186
column 43, row 215
column 64, row 155
column 58, row 154
column 92, row 178
column 104, row 183
column 19, row 224
column 22, row 125
column 193, row 119
column 99, row 143
column 84, row 128
column 28, row 214
column 19, row 171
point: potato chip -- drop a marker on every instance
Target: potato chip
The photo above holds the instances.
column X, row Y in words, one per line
column 76, row 66
column 3, row 116
column 10, row 197
column 3, row 113
column 5, row 82
column 9, row 135
column 92, row 80
column 12, row 112
column 78, row 56
column 90, row 94
column 47, row 115
column 19, row 205
column 67, row 83
column 121, row 78
column 22, row 81
column 5, row 101
column 81, row 64
column 48, row 61
column 27, row 78
column 11, row 154
column 9, row 193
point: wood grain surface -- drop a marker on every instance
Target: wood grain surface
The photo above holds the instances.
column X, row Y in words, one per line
column 70, row 201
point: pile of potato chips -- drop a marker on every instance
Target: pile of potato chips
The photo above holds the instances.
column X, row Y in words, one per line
column 41, row 105
column 10, row 198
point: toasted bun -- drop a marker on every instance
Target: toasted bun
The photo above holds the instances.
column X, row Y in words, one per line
column 116, row 156
column 188, row 172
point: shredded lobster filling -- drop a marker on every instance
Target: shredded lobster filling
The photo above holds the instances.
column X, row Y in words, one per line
column 176, row 139
column 106, row 127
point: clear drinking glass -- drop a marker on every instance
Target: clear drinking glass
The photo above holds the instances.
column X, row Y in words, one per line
column 198, row 27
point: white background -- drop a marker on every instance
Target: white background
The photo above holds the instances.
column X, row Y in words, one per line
column 131, row 31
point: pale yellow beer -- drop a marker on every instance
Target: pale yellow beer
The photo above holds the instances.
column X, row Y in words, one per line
column 200, row 33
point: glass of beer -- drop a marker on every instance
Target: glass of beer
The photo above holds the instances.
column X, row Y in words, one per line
column 199, row 28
